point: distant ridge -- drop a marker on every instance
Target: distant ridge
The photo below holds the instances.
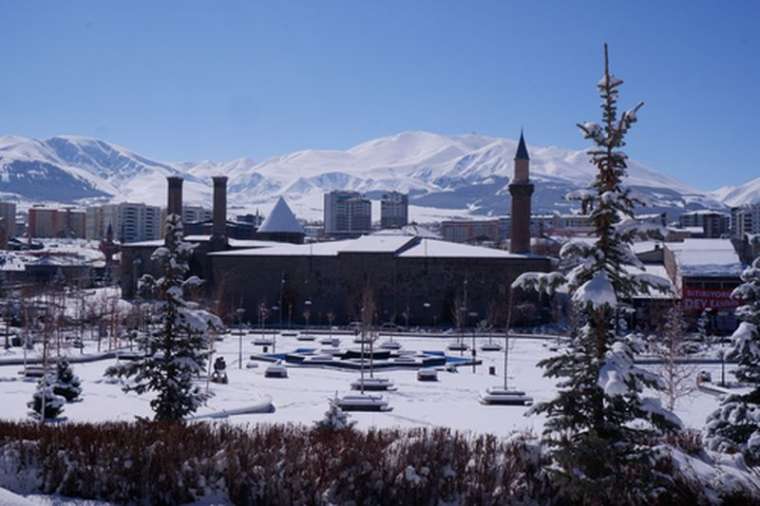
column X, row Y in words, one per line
column 446, row 175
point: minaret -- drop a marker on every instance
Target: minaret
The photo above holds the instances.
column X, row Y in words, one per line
column 521, row 190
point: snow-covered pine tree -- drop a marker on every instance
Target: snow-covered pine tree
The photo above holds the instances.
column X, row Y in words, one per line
column 735, row 425
column 176, row 354
column 67, row 384
column 335, row 418
column 594, row 425
column 45, row 396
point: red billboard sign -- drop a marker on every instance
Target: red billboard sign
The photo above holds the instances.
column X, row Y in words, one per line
column 699, row 299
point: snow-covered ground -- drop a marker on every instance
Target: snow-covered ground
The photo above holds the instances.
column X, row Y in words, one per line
column 303, row 396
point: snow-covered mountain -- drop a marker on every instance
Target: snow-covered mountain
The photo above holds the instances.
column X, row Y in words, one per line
column 445, row 175
column 747, row 193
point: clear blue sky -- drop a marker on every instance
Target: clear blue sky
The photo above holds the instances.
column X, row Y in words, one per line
column 221, row 79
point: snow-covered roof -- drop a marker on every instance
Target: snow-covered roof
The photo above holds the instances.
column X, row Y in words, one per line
column 319, row 249
column 443, row 249
column 655, row 293
column 250, row 243
column 646, row 246
column 706, row 211
column 377, row 244
column 706, row 257
column 281, row 220
column 413, row 229
column 402, row 246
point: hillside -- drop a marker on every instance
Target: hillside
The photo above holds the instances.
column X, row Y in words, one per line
column 446, row 175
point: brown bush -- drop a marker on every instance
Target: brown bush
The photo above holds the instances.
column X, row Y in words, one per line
column 160, row 463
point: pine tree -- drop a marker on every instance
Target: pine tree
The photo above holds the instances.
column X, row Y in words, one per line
column 595, row 424
column 67, row 384
column 735, row 425
column 45, row 396
column 335, row 419
column 177, row 353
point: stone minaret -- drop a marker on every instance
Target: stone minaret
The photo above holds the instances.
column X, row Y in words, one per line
column 174, row 195
column 219, row 225
column 521, row 190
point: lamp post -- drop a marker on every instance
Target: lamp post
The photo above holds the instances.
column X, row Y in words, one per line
column 426, row 305
column 274, row 334
column 330, row 318
column 282, row 291
column 307, row 312
column 239, row 312
column 473, row 314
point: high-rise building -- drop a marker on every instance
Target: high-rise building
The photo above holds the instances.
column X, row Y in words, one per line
column 192, row 214
column 394, row 210
column 347, row 214
column 713, row 223
column 745, row 220
column 49, row 222
column 8, row 215
column 130, row 222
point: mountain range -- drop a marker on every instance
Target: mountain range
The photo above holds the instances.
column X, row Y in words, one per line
column 445, row 175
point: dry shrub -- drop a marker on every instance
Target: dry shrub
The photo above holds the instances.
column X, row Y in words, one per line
column 161, row 463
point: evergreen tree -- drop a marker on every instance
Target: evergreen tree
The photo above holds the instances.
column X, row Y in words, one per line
column 335, row 419
column 177, row 353
column 45, row 396
column 67, row 384
column 599, row 426
column 735, row 425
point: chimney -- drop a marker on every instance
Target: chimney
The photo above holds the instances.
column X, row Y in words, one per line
column 174, row 197
column 219, row 228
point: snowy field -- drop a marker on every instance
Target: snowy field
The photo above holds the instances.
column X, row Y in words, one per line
column 453, row 401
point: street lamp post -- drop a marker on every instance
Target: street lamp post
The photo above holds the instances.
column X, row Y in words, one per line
column 274, row 334
column 307, row 312
column 426, row 305
column 282, row 291
column 239, row 313
column 474, row 352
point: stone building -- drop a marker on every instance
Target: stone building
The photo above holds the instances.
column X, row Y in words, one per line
column 425, row 279
column 414, row 279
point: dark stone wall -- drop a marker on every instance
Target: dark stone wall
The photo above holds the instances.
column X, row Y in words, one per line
column 136, row 261
column 335, row 284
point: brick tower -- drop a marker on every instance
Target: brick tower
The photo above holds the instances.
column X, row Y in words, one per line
column 521, row 190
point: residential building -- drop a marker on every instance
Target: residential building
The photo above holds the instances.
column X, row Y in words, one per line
column 8, row 215
column 745, row 220
column 192, row 214
column 494, row 230
column 130, row 222
column 347, row 214
column 394, row 210
column 714, row 224
column 49, row 222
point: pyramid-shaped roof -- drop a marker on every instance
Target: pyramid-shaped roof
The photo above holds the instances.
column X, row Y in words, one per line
column 522, row 151
column 281, row 219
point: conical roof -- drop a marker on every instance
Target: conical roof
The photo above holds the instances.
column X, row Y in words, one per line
column 281, row 219
column 522, row 151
